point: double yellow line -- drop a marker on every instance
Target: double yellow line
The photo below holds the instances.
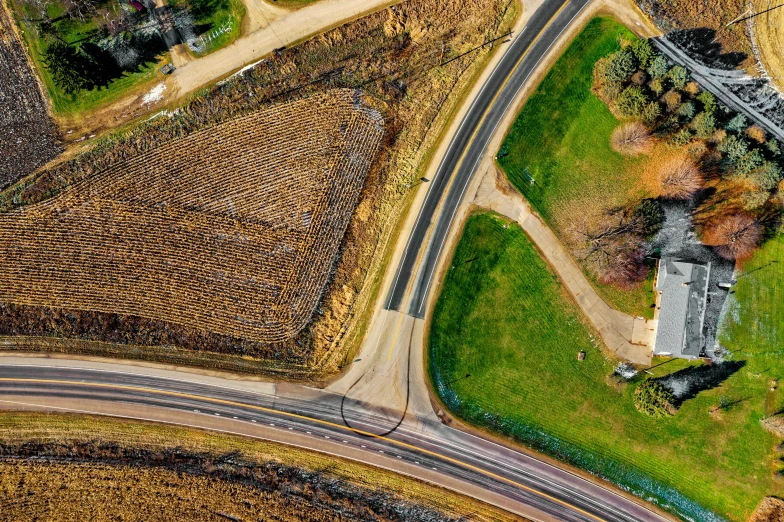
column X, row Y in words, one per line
column 414, row 271
column 225, row 402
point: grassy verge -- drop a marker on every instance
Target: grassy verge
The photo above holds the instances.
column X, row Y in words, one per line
column 223, row 24
column 561, row 141
column 16, row 428
column 504, row 319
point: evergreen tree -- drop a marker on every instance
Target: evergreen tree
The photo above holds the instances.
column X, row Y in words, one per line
column 737, row 124
column 643, row 51
column 679, row 76
column 658, row 67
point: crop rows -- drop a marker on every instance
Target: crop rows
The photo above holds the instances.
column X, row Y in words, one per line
column 28, row 137
column 232, row 229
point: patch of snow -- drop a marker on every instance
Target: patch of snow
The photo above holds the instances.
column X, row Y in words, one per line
column 155, row 94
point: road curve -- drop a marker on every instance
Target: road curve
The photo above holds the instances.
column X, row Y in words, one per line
column 310, row 418
column 416, row 269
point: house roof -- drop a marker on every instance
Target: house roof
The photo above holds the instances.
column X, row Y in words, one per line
column 683, row 286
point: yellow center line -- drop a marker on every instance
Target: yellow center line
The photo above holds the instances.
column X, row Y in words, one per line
column 314, row 420
column 457, row 167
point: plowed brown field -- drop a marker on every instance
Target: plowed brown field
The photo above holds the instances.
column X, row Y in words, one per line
column 232, row 229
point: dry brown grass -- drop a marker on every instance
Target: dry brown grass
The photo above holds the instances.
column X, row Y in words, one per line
column 225, row 230
column 631, row 139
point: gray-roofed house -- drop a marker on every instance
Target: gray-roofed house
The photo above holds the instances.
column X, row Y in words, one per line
column 683, row 291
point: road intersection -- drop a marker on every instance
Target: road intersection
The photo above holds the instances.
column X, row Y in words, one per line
column 380, row 411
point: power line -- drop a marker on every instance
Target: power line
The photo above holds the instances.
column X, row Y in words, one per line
column 754, row 15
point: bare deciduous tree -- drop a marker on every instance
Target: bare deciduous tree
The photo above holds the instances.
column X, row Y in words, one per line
column 631, row 138
column 733, row 236
column 677, row 177
column 612, row 244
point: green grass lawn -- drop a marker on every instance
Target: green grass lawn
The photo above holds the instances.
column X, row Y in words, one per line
column 504, row 318
column 222, row 16
column 561, row 140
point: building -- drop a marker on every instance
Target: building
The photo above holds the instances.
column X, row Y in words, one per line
column 682, row 288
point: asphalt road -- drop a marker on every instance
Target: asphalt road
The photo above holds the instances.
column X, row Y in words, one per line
column 415, row 272
column 312, row 418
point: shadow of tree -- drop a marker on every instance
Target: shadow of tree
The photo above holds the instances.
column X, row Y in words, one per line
column 700, row 43
column 689, row 382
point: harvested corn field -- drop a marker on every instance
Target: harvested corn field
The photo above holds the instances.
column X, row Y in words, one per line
column 232, row 229
column 767, row 30
column 75, row 467
column 413, row 61
column 28, row 137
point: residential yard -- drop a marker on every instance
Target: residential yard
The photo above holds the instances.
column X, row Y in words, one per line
column 115, row 70
column 561, row 140
column 504, row 318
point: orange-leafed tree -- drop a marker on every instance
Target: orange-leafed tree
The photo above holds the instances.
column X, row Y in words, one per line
column 733, row 236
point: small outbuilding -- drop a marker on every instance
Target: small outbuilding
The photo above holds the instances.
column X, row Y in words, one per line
column 683, row 292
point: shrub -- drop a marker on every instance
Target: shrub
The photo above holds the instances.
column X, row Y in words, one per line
column 631, row 102
column 774, row 424
column 678, row 177
column 733, row 148
column 657, row 86
column 756, row 133
column 681, row 138
column 692, row 88
column 617, row 67
column 631, row 138
column 672, row 100
column 736, row 124
column 658, row 67
column 748, row 162
column 652, row 398
column 651, row 113
column 708, row 101
column 773, row 146
column 754, row 199
column 766, row 176
column 639, row 78
column 703, row 124
column 733, row 236
column 679, row 76
column 687, row 110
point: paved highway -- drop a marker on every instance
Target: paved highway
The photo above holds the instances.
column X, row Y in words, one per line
column 312, row 418
column 415, row 272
